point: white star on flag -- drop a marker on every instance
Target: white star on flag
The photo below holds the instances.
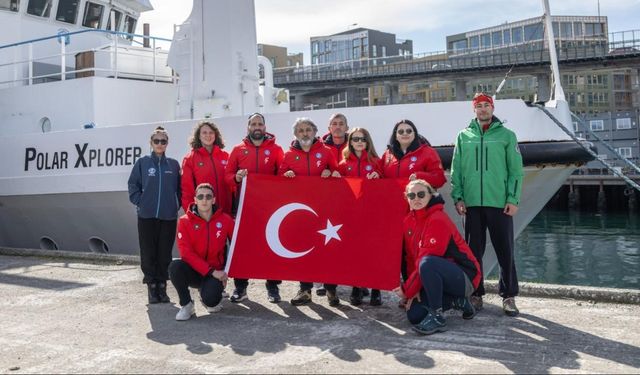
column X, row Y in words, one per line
column 331, row 231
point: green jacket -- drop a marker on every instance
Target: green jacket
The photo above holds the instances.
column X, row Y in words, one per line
column 486, row 169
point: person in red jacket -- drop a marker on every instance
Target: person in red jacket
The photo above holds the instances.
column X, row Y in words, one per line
column 307, row 156
column 206, row 162
column 257, row 153
column 409, row 155
column 336, row 139
column 444, row 271
column 360, row 159
column 202, row 236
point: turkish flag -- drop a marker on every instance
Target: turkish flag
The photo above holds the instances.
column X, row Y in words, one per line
column 345, row 231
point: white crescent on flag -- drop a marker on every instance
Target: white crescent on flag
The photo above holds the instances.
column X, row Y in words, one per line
column 273, row 228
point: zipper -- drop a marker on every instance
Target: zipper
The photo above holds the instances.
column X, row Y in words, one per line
column 257, row 157
column 206, row 255
column 476, row 158
column 358, row 167
column 481, row 174
column 486, row 158
column 159, row 186
column 215, row 172
column 308, row 164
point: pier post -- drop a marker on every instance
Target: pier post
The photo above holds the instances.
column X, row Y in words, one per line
column 602, row 199
column 633, row 201
column 544, row 90
column 574, row 197
column 461, row 90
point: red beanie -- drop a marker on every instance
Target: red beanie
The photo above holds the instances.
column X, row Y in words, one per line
column 482, row 97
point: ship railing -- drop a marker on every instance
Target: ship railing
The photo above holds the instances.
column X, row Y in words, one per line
column 84, row 53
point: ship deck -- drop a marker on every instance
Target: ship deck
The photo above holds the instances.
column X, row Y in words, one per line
column 69, row 316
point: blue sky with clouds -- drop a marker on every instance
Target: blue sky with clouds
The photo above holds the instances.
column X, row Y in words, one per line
column 291, row 23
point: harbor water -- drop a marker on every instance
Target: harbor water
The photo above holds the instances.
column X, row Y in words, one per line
column 580, row 248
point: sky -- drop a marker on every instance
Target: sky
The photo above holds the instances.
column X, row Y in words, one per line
column 291, row 23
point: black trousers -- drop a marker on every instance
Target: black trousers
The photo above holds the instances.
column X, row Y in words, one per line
column 244, row 283
column 500, row 225
column 183, row 277
column 156, row 239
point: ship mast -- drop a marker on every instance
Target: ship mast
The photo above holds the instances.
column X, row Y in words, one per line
column 553, row 56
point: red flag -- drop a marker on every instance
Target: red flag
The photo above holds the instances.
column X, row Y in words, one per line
column 345, row 231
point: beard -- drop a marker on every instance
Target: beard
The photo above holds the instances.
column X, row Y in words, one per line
column 305, row 142
column 256, row 135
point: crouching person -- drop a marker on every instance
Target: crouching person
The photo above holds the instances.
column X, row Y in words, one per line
column 445, row 272
column 202, row 235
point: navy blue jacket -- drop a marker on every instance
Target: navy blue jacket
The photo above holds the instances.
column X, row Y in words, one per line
column 154, row 187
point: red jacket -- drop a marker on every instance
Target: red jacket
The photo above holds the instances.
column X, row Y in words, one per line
column 359, row 167
column 201, row 166
column 423, row 161
column 336, row 150
column 201, row 243
column 430, row 232
column 263, row 159
column 310, row 163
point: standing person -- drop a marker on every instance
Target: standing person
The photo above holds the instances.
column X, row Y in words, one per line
column 154, row 187
column 206, row 163
column 360, row 159
column 445, row 272
column 258, row 153
column 307, row 156
column 336, row 139
column 202, row 235
column 409, row 155
column 486, row 181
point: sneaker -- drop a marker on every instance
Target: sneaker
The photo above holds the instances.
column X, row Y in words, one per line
column 509, row 306
column 238, row 295
column 476, row 301
column 225, row 294
column 302, row 298
column 273, row 295
column 356, row 296
column 432, row 323
column 321, row 291
column 186, row 312
column 332, row 297
column 215, row 309
column 376, row 298
column 464, row 304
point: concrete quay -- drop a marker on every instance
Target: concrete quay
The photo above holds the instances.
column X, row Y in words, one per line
column 77, row 316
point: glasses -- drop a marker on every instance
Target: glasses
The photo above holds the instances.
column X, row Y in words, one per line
column 402, row 131
column 359, row 139
column 201, row 197
column 420, row 194
column 160, row 142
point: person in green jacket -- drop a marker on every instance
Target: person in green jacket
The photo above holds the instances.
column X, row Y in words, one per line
column 486, row 181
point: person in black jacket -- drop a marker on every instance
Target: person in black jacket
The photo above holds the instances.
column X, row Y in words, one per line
column 154, row 187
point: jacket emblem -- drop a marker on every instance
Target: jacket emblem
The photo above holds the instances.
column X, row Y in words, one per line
column 152, row 172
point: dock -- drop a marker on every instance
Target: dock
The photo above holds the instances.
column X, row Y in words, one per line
column 70, row 316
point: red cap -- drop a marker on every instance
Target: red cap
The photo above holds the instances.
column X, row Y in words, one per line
column 482, row 97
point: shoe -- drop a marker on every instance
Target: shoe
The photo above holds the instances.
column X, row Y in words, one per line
column 186, row 312
column 238, row 295
column 402, row 303
column 376, row 298
column 321, row 291
column 464, row 304
column 225, row 294
column 476, row 301
column 162, row 292
column 152, row 290
column 365, row 292
column 509, row 306
column 432, row 323
column 356, row 296
column 332, row 297
column 302, row 298
column 215, row 309
column 273, row 295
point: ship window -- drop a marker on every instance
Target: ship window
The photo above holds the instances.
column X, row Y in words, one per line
column 117, row 17
column 92, row 15
column 40, row 8
column 67, row 11
column 11, row 5
column 129, row 26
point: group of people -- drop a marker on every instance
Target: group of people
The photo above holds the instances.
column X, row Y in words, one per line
column 440, row 268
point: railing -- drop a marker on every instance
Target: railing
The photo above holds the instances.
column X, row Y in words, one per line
column 441, row 62
column 46, row 59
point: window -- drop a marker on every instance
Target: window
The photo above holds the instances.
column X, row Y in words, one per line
column 117, row 16
column 327, row 45
column 577, row 29
column 460, row 45
column 593, row 29
column 625, row 152
column 486, row 40
column 374, row 50
column 533, row 32
column 92, row 15
column 384, row 51
column 516, row 35
column 565, row 30
column 129, row 26
column 314, row 47
column 596, row 125
column 556, row 29
column 575, row 126
column 40, row 8
column 602, row 156
column 67, row 11
column 507, row 37
column 623, row 123
column 496, row 37
column 11, row 5
column 474, row 42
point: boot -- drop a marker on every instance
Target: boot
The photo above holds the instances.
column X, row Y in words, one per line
column 153, row 293
column 162, row 292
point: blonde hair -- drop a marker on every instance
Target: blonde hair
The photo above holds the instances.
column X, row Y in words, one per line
column 422, row 183
column 159, row 130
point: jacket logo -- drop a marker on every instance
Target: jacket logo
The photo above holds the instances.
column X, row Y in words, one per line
column 368, row 168
column 318, row 163
column 218, row 234
column 152, row 172
column 223, row 162
column 297, row 157
column 432, row 241
column 318, row 155
column 414, row 159
column 196, row 226
column 200, row 164
column 179, row 235
column 517, row 148
column 246, row 152
column 219, row 225
column 411, row 165
column 267, row 152
column 349, row 168
column 266, row 160
column 410, row 232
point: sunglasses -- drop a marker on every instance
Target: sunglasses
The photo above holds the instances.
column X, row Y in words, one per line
column 359, row 139
column 420, row 194
column 402, row 131
column 160, row 142
column 201, row 197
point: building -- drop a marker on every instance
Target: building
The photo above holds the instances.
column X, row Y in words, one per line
column 279, row 57
column 357, row 44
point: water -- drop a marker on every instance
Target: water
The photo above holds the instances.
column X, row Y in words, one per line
column 581, row 248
